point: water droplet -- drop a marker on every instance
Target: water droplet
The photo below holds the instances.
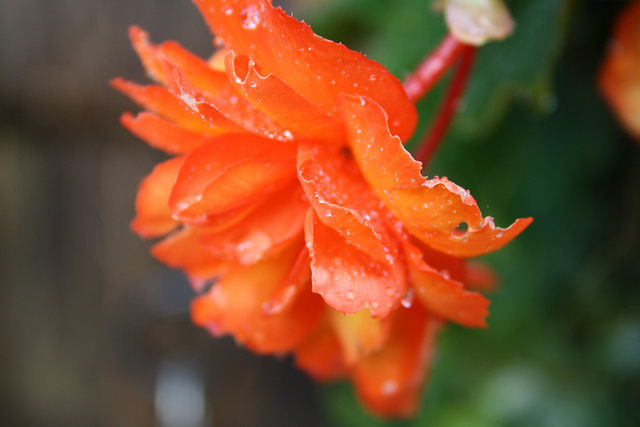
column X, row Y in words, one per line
column 253, row 84
column 250, row 17
column 189, row 100
column 288, row 135
column 351, row 295
column 228, row 10
column 328, row 214
column 374, row 304
column 390, row 291
column 499, row 234
column 407, row 299
column 372, row 77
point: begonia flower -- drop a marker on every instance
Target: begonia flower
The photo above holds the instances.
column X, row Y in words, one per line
column 620, row 73
column 291, row 191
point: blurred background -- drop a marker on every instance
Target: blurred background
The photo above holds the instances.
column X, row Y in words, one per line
column 95, row 332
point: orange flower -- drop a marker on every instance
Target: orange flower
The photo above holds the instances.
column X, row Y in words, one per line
column 620, row 73
column 291, row 190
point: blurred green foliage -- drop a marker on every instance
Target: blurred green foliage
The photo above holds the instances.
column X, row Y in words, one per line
column 534, row 139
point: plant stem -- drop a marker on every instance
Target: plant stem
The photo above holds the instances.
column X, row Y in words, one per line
column 433, row 67
column 448, row 107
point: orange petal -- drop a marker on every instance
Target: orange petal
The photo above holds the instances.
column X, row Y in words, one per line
column 359, row 334
column 620, row 73
column 228, row 172
column 347, row 278
column 199, row 73
column 287, row 292
column 271, row 225
column 182, row 250
column 317, row 68
column 162, row 134
column 234, row 306
column 159, row 100
column 320, row 355
column 227, row 109
column 271, row 95
column 148, row 53
column 443, row 296
column 153, row 216
column 481, row 277
column 344, row 201
column 390, row 381
column 434, row 210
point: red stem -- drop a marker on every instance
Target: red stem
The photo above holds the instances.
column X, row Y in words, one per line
column 433, row 67
column 449, row 105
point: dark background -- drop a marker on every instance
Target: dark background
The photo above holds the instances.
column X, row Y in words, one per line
column 94, row 332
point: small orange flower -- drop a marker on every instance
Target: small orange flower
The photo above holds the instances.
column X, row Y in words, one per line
column 291, row 190
column 620, row 73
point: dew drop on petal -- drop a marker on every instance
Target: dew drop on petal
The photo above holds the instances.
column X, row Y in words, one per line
column 351, row 295
column 407, row 299
column 189, row 100
column 250, row 17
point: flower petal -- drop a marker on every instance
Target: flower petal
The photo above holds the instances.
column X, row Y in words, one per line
column 153, row 216
column 272, row 224
column 347, row 278
column 234, row 306
column 159, row 100
column 161, row 134
column 317, row 68
column 620, row 73
column 343, row 200
column 390, row 381
column 148, row 53
column 443, row 296
column 359, row 334
column 228, row 172
column 274, row 97
column 434, row 210
column 320, row 355
column 182, row 250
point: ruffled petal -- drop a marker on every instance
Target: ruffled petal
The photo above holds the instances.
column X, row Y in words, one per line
column 163, row 135
column 160, row 101
column 348, row 279
column 317, row 68
column 343, row 200
column 320, row 355
column 234, row 306
column 272, row 224
column 444, row 296
column 436, row 211
column 390, row 381
column 228, row 109
column 148, row 53
column 228, row 172
column 153, row 216
column 359, row 334
column 182, row 250
column 279, row 101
